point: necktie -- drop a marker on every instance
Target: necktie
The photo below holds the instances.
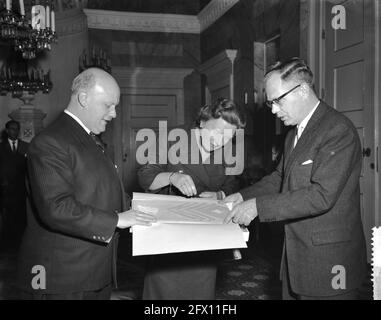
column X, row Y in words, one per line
column 296, row 136
column 14, row 150
column 98, row 141
column 298, row 133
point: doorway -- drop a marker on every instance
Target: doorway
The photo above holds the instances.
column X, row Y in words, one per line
column 148, row 95
column 347, row 73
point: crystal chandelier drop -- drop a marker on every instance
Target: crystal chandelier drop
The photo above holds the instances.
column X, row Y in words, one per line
column 29, row 33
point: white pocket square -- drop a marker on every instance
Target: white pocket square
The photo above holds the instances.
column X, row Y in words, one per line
column 307, row 162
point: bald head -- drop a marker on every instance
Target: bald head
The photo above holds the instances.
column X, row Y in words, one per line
column 89, row 78
column 94, row 96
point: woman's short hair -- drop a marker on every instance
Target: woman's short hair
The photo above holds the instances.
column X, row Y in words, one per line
column 222, row 108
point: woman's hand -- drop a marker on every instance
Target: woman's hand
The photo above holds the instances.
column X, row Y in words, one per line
column 184, row 183
column 209, row 195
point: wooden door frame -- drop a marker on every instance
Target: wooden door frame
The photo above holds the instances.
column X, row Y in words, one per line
column 315, row 58
column 146, row 81
column 219, row 72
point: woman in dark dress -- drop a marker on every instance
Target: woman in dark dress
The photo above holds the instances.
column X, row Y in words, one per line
column 189, row 276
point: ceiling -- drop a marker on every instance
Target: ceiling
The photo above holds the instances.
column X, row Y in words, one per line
column 187, row 7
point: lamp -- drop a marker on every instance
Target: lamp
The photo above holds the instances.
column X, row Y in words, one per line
column 29, row 36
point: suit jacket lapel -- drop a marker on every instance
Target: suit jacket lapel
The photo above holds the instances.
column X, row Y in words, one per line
column 305, row 138
column 8, row 146
column 68, row 121
column 83, row 137
column 289, row 144
column 86, row 140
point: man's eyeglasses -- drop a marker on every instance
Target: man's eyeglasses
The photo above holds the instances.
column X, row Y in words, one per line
column 270, row 103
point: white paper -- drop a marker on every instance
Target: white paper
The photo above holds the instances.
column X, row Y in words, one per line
column 163, row 238
column 174, row 209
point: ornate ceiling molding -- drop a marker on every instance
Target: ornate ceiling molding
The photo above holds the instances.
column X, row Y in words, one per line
column 157, row 22
column 143, row 22
column 213, row 11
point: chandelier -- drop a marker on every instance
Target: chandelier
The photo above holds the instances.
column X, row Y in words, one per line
column 29, row 36
column 96, row 58
column 20, row 80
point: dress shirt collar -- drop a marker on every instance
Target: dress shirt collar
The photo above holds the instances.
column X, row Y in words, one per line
column 78, row 120
column 11, row 143
column 304, row 123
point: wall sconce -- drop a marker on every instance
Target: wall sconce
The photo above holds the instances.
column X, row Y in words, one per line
column 96, row 58
column 27, row 80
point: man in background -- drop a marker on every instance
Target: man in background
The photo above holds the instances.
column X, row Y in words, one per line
column 13, row 189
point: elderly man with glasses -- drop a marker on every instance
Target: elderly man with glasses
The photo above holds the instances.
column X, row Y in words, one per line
column 314, row 190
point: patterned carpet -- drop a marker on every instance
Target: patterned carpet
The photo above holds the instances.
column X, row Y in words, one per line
column 251, row 278
column 248, row 279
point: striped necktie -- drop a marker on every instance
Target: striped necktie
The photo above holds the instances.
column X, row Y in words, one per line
column 98, row 141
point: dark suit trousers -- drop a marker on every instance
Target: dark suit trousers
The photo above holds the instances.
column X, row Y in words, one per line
column 101, row 294
column 288, row 294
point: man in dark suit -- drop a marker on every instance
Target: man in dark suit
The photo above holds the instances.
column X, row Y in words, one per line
column 314, row 190
column 12, row 181
column 69, row 247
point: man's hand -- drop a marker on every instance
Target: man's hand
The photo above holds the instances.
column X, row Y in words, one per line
column 133, row 217
column 184, row 183
column 243, row 213
column 234, row 199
